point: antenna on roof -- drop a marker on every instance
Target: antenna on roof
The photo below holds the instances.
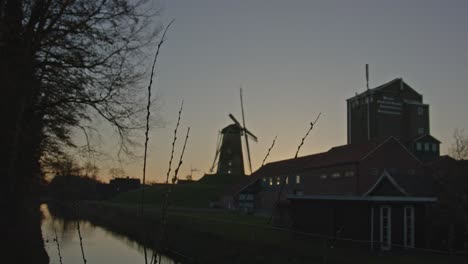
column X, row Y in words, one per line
column 367, row 76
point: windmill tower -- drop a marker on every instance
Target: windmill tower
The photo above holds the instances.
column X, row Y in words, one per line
column 229, row 156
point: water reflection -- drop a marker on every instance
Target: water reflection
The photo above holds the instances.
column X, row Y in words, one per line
column 99, row 244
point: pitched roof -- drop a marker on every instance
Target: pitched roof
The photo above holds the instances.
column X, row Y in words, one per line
column 425, row 136
column 335, row 156
column 383, row 86
column 408, row 185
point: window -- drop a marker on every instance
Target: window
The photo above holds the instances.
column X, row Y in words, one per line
column 286, row 180
column 434, row 147
column 298, row 179
column 270, row 181
column 349, row 174
column 229, row 171
column 323, row 176
column 385, row 227
column 374, row 171
column 230, row 163
column 426, row 146
column 241, row 197
column 408, row 226
column 335, row 175
column 264, row 181
column 249, row 197
column 420, row 110
column 420, row 130
column 418, row 146
column 278, row 180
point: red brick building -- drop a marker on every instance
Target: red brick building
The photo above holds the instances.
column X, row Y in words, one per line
column 372, row 191
column 343, row 170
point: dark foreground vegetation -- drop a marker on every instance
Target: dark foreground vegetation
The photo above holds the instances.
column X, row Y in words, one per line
column 221, row 237
column 66, row 67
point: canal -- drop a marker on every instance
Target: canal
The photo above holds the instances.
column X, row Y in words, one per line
column 99, row 245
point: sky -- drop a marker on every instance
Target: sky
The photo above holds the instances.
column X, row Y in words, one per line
column 295, row 59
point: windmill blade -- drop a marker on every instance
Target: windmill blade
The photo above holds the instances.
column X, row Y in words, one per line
column 245, row 129
column 252, row 136
column 218, row 149
column 235, row 120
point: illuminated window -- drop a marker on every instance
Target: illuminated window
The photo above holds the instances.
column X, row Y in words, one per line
column 335, row 175
column 278, row 180
column 286, row 180
column 270, row 181
column 229, row 171
column 349, row 174
column 298, row 179
column 323, row 176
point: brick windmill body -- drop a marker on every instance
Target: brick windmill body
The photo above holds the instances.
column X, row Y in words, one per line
column 229, row 156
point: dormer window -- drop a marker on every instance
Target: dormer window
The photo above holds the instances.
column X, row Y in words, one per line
column 418, row 146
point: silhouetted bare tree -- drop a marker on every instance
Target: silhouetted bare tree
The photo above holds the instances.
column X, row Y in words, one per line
column 459, row 148
column 63, row 64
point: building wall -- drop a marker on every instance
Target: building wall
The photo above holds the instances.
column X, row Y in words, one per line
column 416, row 120
column 339, row 179
column 230, row 157
column 391, row 111
column 346, row 219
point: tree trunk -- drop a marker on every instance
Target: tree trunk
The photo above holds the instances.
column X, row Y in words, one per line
column 20, row 140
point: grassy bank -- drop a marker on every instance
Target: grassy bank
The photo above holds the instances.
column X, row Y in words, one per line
column 195, row 194
column 218, row 237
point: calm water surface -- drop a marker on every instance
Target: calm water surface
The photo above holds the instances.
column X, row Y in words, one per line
column 100, row 245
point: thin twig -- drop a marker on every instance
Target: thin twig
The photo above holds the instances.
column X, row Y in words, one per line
column 174, row 142
column 308, row 131
column 169, row 191
column 58, row 245
column 268, row 153
column 283, row 181
column 148, row 113
column 79, row 234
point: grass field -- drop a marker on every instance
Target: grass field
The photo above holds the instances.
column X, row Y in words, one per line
column 197, row 194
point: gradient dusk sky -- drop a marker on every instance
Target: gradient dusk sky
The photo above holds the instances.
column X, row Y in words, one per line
column 297, row 58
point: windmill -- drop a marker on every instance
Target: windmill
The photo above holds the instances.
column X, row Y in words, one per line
column 229, row 157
